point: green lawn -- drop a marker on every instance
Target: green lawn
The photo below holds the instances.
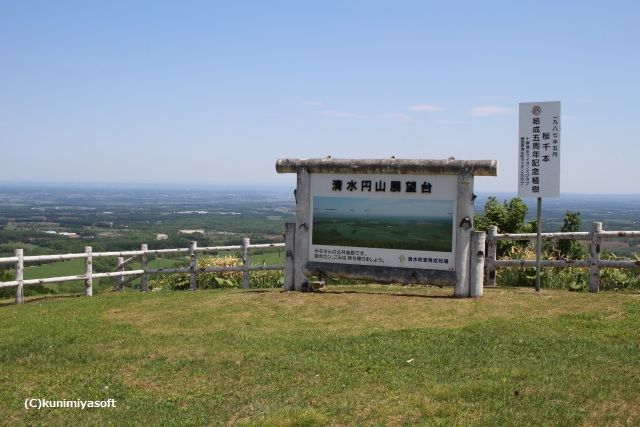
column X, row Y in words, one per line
column 349, row 356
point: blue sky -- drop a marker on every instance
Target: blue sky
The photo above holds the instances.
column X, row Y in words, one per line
column 215, row 92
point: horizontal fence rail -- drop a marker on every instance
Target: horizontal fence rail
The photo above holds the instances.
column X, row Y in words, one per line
column 594, row 263
column 122, row 276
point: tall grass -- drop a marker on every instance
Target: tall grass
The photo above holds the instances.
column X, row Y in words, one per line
column 219, row 279
column 568, row 278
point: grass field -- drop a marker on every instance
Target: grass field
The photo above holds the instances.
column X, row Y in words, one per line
column 349, row 356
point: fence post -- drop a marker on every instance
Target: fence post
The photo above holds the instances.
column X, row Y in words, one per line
column 20, row 276
column 289, row 248
column 119, row 285
column 246, row 275
column 193, row 266
column 476, row 264
column 88, row 271
column 144, row 265
column 594, row 273
column 492, row 251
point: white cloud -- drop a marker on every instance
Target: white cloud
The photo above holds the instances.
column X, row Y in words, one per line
column 396, row 117
column 450, row 122
column 425, row 107
column 393, row 117
column 495, row 98
column 491, row 110
column 340, row 114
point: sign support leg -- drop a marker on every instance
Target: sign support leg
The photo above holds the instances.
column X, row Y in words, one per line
column 539, row 245
column 463, row 234
column 303, row 217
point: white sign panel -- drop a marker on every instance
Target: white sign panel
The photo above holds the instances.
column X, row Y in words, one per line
column 539, row 150
column 384, row 220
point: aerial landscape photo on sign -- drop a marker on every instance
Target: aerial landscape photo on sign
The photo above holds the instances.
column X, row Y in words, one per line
column 424, row 225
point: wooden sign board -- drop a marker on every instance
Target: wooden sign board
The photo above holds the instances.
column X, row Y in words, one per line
column 539, row 150
column 384, row 220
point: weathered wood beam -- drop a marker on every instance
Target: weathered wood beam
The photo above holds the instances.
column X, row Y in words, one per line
column 389, row 166
column 406, row 276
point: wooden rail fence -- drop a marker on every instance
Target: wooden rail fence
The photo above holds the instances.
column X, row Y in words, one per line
column 594, row 263
column 121, row 276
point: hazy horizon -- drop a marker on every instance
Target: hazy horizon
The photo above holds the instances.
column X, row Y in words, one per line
column 246, row 186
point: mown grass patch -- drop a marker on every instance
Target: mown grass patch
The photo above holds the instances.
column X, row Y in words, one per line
column 374, row 355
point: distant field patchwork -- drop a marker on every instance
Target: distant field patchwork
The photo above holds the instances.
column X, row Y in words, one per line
column 384, row 233
column 383, row 224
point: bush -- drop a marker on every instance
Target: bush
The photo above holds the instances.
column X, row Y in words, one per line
column 29, row 290
column 569, row 278
column 267, row 279
column 219, row 279
column 618, row 279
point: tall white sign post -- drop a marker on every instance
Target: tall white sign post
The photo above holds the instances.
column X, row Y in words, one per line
column 539, row 158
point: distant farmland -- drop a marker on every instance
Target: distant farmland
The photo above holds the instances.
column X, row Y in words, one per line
column 421, row 225
column 420, row 234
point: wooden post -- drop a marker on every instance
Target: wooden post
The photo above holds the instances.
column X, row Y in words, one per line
column 303, row 216
column 193, row 266
column 144, row 265
column 88, row 272
column 289, row 248
column 594, row 273
column 20, row 276
column 463, row 234
column 119, row 282
column 492, row 251
column 476, row 267
column 245, row 263
column 538, row 243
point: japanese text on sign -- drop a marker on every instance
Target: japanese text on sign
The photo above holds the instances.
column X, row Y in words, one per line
column 380, row 186
column 539, row 150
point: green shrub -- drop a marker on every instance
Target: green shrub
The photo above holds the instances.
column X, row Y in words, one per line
column 219, row 279
column 267, row 279
column 618, row 279
column 29, row 290
column 569, row 278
